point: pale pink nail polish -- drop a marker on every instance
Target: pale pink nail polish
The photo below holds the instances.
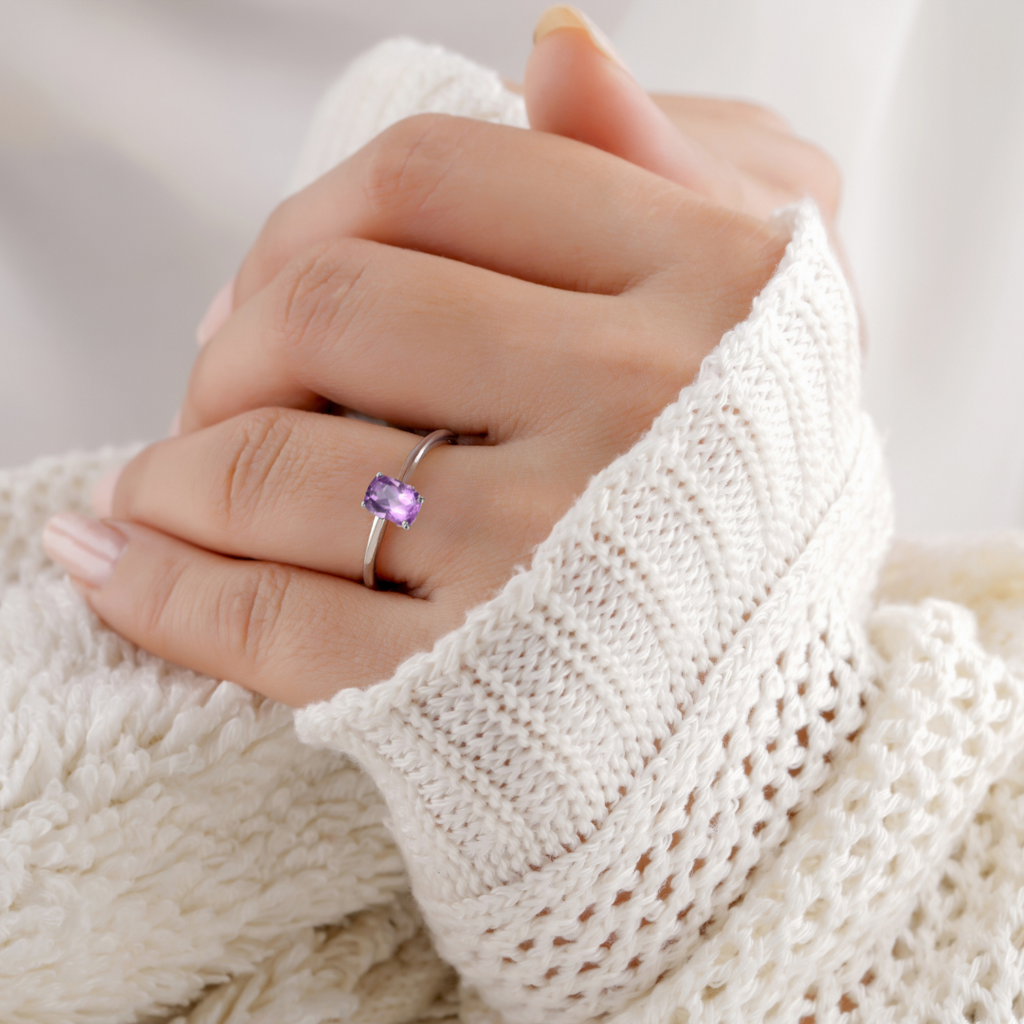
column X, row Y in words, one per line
column 88, row 549
column 175, row 428
column 217, row 315
column 103, row 493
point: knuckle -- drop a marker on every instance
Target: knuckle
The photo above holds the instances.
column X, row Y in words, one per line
column 253, row 459
column 408, row 161
column 248, row 610
column 320, row 294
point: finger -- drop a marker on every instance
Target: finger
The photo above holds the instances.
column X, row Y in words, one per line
column 293, row 635
column 737, row 154
column 575, row 87
column 738, row 112
column 527, row 204
column 780, row 167
column 287, row 486
column 401, row 336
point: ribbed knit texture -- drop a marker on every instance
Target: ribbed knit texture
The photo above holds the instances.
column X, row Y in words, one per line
column 584, row 775
column 686, row 767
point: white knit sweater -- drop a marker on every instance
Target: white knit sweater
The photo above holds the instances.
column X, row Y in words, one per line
column 693, row 764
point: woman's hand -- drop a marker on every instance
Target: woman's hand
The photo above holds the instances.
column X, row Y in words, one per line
column 532, row 293
column 516, row 287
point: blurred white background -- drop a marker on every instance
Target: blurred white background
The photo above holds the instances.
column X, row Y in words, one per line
column 143, row 142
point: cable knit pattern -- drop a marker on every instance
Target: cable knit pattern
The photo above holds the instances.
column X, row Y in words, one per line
column 684, row 768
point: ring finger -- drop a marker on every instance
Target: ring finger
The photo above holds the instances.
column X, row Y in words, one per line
column 284, row 485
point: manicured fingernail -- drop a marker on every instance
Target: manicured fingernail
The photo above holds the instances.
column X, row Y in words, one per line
column 175, row 428
column 103, row 493
column 217, row 315
column 564, row 16
column 88, row 549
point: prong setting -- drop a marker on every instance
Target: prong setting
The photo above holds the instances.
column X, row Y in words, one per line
column 393, row 500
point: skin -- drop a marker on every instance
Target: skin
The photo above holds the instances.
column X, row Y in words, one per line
column 544, row 293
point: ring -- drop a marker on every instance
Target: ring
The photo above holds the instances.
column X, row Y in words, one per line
column 393, row 500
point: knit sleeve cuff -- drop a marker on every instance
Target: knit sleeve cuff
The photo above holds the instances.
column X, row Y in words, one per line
column 584, row 774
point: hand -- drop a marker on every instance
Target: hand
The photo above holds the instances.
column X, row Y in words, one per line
column 518, row 287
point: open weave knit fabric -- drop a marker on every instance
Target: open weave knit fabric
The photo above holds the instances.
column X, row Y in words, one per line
column 705, row 759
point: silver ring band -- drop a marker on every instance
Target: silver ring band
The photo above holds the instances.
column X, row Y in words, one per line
column 413, row 459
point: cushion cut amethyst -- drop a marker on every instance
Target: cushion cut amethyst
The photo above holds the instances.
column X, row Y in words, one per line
column 390, row 499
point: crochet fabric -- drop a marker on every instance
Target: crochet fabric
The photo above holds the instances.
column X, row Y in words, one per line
column 698, row 762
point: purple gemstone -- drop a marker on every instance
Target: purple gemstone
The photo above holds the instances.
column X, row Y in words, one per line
column 390, row 499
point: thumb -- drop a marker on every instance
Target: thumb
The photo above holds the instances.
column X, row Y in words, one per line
column 577, row 86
